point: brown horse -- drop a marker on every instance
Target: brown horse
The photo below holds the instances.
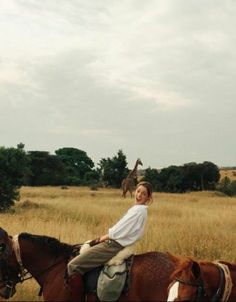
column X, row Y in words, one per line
column 202, row 281
column 45, row 258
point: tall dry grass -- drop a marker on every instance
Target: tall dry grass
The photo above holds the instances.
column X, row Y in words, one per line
column 201, row 225
column 231, row 174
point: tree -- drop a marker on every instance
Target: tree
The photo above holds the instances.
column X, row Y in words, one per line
column 113, row 170
column 92, row 177
column 45, row 169
column 77, row 164
column 152, row 176
column 232, row 188
column 171, row 179
column 209, row 175
column 227, row 186
column 13, row 168
column 191, row 177
column 175, row 181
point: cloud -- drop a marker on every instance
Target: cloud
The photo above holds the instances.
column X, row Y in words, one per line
column 85, row 72
column 95, row 132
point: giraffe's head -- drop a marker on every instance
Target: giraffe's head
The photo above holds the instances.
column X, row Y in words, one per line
column 139, row 162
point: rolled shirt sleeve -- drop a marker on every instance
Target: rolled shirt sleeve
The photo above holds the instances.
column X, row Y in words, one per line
column 130, row 227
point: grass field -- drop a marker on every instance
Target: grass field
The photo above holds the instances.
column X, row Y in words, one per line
column 201, row 224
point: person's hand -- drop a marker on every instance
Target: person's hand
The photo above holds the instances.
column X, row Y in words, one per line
column 104, row 237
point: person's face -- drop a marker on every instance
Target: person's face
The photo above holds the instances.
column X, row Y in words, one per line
column 141, row 195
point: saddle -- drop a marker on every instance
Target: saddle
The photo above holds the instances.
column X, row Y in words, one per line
column 109, row 282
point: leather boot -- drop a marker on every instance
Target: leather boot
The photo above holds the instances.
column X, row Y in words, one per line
column 76, row 286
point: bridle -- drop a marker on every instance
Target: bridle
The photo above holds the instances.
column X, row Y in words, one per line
column 9, row 275
column 201, row 291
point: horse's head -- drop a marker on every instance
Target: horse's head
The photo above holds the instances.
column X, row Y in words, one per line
column 9, row 273
column 187, row 283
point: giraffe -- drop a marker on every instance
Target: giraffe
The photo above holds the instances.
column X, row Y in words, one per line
column 128, row 182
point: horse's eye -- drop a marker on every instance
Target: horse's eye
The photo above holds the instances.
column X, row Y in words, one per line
column 2, row 247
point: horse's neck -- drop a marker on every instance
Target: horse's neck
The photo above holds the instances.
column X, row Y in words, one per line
column 230, row 288
column 211, row 277
column 233, row 293
column 232, row 270
column 215, row 281
column 36, row 260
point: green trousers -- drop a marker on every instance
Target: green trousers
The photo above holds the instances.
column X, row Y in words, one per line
column 93, row 257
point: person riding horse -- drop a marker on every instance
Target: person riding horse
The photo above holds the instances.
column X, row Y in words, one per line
column 126, row 231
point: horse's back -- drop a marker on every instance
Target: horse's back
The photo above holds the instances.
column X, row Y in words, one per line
column 155, row 264
column 150, row 277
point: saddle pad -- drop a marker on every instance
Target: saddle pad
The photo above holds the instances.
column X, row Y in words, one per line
column 111, row 282
column 91, row 278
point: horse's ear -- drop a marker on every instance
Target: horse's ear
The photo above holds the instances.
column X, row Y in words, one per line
column 3, row 234
column 196, row 269
column 175, row 259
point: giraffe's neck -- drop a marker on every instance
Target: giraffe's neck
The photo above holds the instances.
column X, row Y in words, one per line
column 133, row 173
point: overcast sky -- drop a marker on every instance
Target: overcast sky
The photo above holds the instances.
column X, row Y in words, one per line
column 156, row 79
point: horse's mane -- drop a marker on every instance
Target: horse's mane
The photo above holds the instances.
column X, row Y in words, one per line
column 232, row 266
column 52, row 244
column 187, row 262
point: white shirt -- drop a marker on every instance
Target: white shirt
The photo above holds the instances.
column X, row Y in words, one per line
column 130, row 227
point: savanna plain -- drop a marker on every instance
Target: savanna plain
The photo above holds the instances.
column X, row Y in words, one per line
column 197, row 224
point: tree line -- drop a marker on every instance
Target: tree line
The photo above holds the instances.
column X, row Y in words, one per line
column 73, row 167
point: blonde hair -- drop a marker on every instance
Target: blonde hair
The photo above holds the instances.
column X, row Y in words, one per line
column 148, row 186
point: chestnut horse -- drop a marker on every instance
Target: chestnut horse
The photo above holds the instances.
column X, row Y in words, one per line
column 202, row 281
column 45, row 258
